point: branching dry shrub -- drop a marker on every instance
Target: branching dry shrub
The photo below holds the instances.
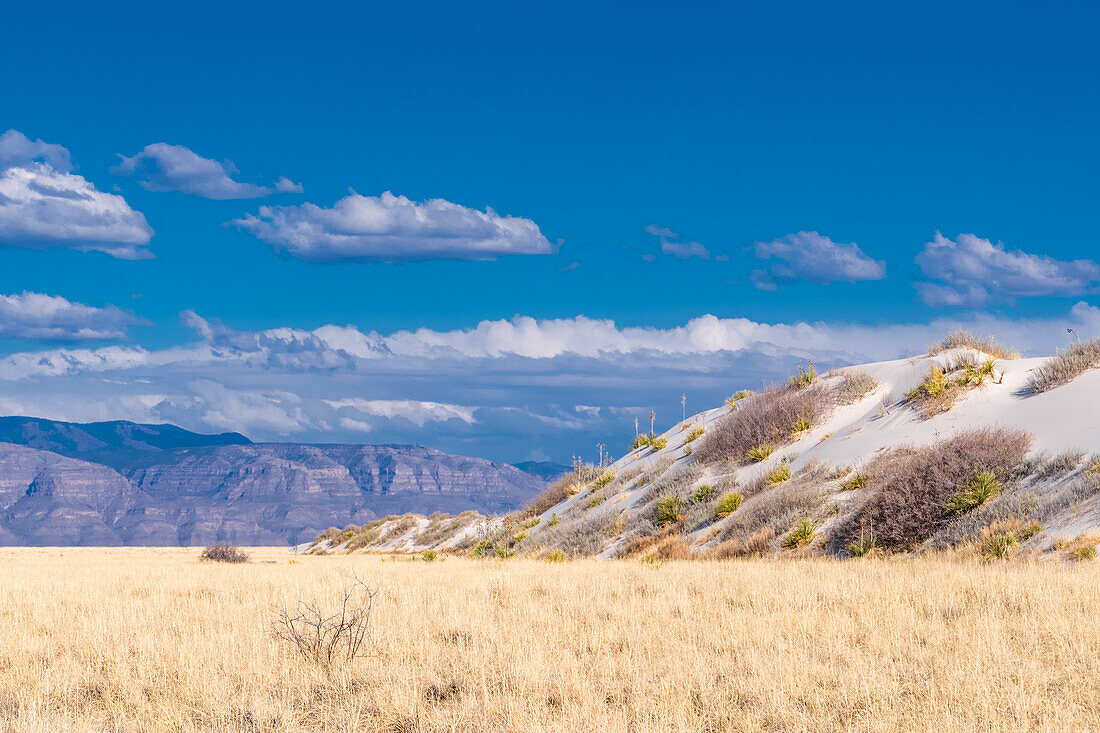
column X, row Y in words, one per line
column 962, row 339
column 912, row 487
column 754, row 545
column 768, row 418
column 1065, row 367
column 325, row 636
column 223, row 552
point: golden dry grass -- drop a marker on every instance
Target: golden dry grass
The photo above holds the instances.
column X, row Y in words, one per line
column 150, row 640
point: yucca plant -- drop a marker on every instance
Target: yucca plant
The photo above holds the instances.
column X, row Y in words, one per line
column 669, row 510
column 778, row 475
column 802, row 533
column 857, row 480
column 727, row 505
column 704, row 493
column 983, row 487
column 760, row 452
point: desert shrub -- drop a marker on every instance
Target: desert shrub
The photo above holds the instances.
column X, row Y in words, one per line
column 802, row 424
column 961, row 339
column 857, row 480
column 754, row 545
column 778, row 475
column 223, row 552
column 804, row 378
column 604, row 479
column 669, row 510
column 444, row 527
column 704, row 493
column 1000, row 538
column 654, row 441
column 912, row 487
column 695, row 434
column 594, row 501
column 1065, row 367
column 739, row 395
column 562, row 489
column 728, row 504
column 980, row 489
column 429, row 555
column 863, row 547
column 767, row 419
column 335, row 535
column 554, row 521
column 555, row 556
column 368, row 534
column 328, row 635
column 801, row 534
column 855, row 384
column 760, row 452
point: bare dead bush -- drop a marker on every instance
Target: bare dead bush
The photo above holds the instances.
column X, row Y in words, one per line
column 223, row 552
column 328, row 635
column 962, row 339
column 768, row 418
column 1065, row 367
column 912, row 487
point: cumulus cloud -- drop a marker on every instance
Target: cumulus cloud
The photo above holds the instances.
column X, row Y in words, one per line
column 16, row 149
column 393, row 228
column 164, row 167
column 43, row 204
column 285, row 185
column 971, row 271
column 39, row 317
column 815, row 258
column 671, row 244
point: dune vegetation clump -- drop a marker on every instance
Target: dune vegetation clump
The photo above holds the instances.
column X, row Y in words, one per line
column 855, row 385
column 1065, row 367
column 802, row 533
column 728, row 504
column 962, row 339
column 914, row 488
column 770, row 418
column 941, row 386
column 649, row 439
column 739, row 395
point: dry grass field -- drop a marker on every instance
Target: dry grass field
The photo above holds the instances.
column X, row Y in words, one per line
column 150, row 640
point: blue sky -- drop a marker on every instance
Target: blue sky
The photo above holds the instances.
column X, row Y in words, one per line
column 619, row 173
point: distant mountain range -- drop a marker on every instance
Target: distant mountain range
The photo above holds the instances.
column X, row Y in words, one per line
column 122, row 483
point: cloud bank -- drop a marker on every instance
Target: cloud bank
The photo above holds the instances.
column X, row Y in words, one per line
column 505, row 389
column 391, row 228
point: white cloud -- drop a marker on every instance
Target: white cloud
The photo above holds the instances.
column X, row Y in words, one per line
column 285, row 185
column 415, row 411
column 41, row 207
column 39, row 317
column 815, row 258
column 16, row 149
column 671, row 244
column 393, row 228
column 164, row 167
column 972, row 271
